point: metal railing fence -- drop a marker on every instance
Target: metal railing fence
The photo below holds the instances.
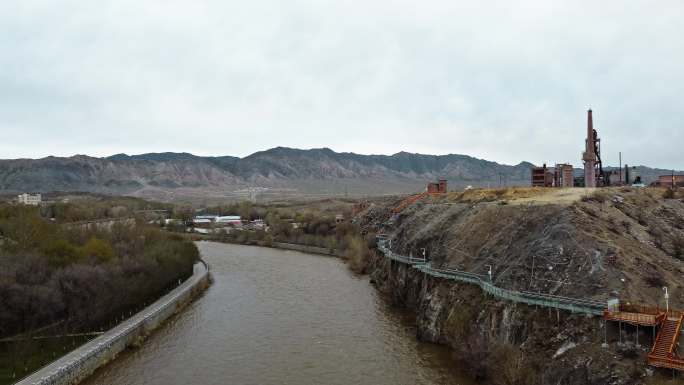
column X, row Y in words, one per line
column 576, row 305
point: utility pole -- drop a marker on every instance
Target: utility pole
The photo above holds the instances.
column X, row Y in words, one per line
column 620, row 168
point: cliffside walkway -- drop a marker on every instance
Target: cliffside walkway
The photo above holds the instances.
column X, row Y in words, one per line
column 664, row 351
column 576, row 305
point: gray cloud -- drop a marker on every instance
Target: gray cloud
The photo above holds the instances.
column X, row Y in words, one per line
column 506, row 81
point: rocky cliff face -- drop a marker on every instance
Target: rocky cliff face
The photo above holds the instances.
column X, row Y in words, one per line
column 611, row 243
column 504, row 343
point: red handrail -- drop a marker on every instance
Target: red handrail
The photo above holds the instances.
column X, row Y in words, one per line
column 670, row 352
column 409, row 201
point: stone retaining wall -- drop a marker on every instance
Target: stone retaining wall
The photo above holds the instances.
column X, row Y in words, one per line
column 80, row 363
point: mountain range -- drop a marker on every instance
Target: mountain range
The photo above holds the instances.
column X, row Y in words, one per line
column 276, row 173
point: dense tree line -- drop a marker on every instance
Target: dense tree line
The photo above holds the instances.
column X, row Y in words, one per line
column 82, row 277
column 89, row 207
column 308, row 228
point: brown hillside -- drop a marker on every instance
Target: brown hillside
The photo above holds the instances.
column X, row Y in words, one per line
column 617, row 242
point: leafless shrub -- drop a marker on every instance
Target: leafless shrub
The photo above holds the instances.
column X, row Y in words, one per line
column 669, row 193
column 654, row 280
column 678, row 247
column 595, row 197
column 459, row 322
column 508, row 366
column 357, row 254
column 658, row 235
column 591, row 212
column 641, row 218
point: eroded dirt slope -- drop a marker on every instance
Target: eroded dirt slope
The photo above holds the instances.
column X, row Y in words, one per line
column 618, row 242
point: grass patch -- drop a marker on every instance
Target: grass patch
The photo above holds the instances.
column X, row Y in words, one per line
column 490, row 195
column 21, row 358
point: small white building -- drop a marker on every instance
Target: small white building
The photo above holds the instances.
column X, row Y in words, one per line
column 29, row 199
column 232, row 220
column 202, row 221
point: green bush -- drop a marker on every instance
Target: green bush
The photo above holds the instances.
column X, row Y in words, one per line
column 62, row 253
column 98, row 248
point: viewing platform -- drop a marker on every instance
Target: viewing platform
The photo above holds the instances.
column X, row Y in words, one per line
column 632, row 318
column 669, row 322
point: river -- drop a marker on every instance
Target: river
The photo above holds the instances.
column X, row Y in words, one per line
column 283, row 317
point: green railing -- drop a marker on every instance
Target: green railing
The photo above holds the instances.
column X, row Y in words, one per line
column 576, row 305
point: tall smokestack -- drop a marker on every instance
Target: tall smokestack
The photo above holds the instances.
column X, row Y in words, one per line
column 590, row 133
column 589, row 155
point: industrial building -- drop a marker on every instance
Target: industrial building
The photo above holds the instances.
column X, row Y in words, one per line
column 437, row 188
column 563, row 175
column 560, row 176
column 671, row 180
column 542, row 177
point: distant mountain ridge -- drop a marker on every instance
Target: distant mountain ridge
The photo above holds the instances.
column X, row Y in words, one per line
column 277, row 172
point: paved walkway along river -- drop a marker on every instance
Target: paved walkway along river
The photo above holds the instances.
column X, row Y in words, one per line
column 283, row 317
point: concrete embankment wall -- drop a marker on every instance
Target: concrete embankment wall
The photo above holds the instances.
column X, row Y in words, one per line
column 308, row 249
column 80, row 363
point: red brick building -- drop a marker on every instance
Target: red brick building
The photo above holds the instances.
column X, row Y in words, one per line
column 671, row 180
column 437, row 188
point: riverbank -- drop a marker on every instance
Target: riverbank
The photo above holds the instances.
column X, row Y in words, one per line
column 83, row 361
column 308, row 249
column 280, row 245
column 283, row 317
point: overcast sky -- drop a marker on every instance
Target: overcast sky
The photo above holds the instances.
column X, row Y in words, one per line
column 502, row 80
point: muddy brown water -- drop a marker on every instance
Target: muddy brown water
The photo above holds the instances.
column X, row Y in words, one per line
column 283, row 317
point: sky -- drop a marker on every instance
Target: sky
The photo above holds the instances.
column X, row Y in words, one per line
column 508, row 81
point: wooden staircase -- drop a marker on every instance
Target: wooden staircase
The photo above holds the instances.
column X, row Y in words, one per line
column 664, row 352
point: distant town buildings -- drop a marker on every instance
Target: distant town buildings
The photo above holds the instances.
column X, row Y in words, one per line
column 29, row 199
column 230, row 220
column 207, row 224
